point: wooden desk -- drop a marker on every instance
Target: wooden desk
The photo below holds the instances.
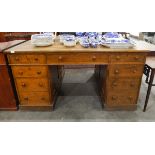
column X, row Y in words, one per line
column 7, row 98
column 38, row 71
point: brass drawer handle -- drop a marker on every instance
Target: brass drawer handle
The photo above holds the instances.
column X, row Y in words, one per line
column 60, row 58
column 116, row 71
column 94, row 58
column 39, row 72
column 26, row 98
column 20, row 72
column 23, row 85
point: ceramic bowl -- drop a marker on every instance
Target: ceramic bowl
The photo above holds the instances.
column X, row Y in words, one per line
column 69, row 42
column 66, row 36
column 94, row 44
column 85, row 43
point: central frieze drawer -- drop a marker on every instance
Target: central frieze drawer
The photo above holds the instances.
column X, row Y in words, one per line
column 34, row 98
column 32, row 84
column 27, row 59
column 30, row 71
column 77, row 58
column 126, row 70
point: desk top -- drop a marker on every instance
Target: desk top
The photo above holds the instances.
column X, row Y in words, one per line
column 6, row 45
column 141, row 46
column 151, row 61
column 144, row 44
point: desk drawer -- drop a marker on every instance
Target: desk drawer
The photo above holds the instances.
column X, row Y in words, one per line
column 132, row 57
column 126, row 84
column 122, row 98
column 32, row 84
column 30, row 71
column 27, row 59
column 77, row 58
column 126, row 70
column 34, row 98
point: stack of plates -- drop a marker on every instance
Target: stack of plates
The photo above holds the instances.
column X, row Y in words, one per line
column 114, row 40
column 42, row 39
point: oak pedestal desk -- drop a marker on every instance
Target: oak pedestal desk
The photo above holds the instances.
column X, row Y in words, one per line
column 38, row 72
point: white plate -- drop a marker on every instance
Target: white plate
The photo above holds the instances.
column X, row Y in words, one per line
column 119, row 45
column 42, row 44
